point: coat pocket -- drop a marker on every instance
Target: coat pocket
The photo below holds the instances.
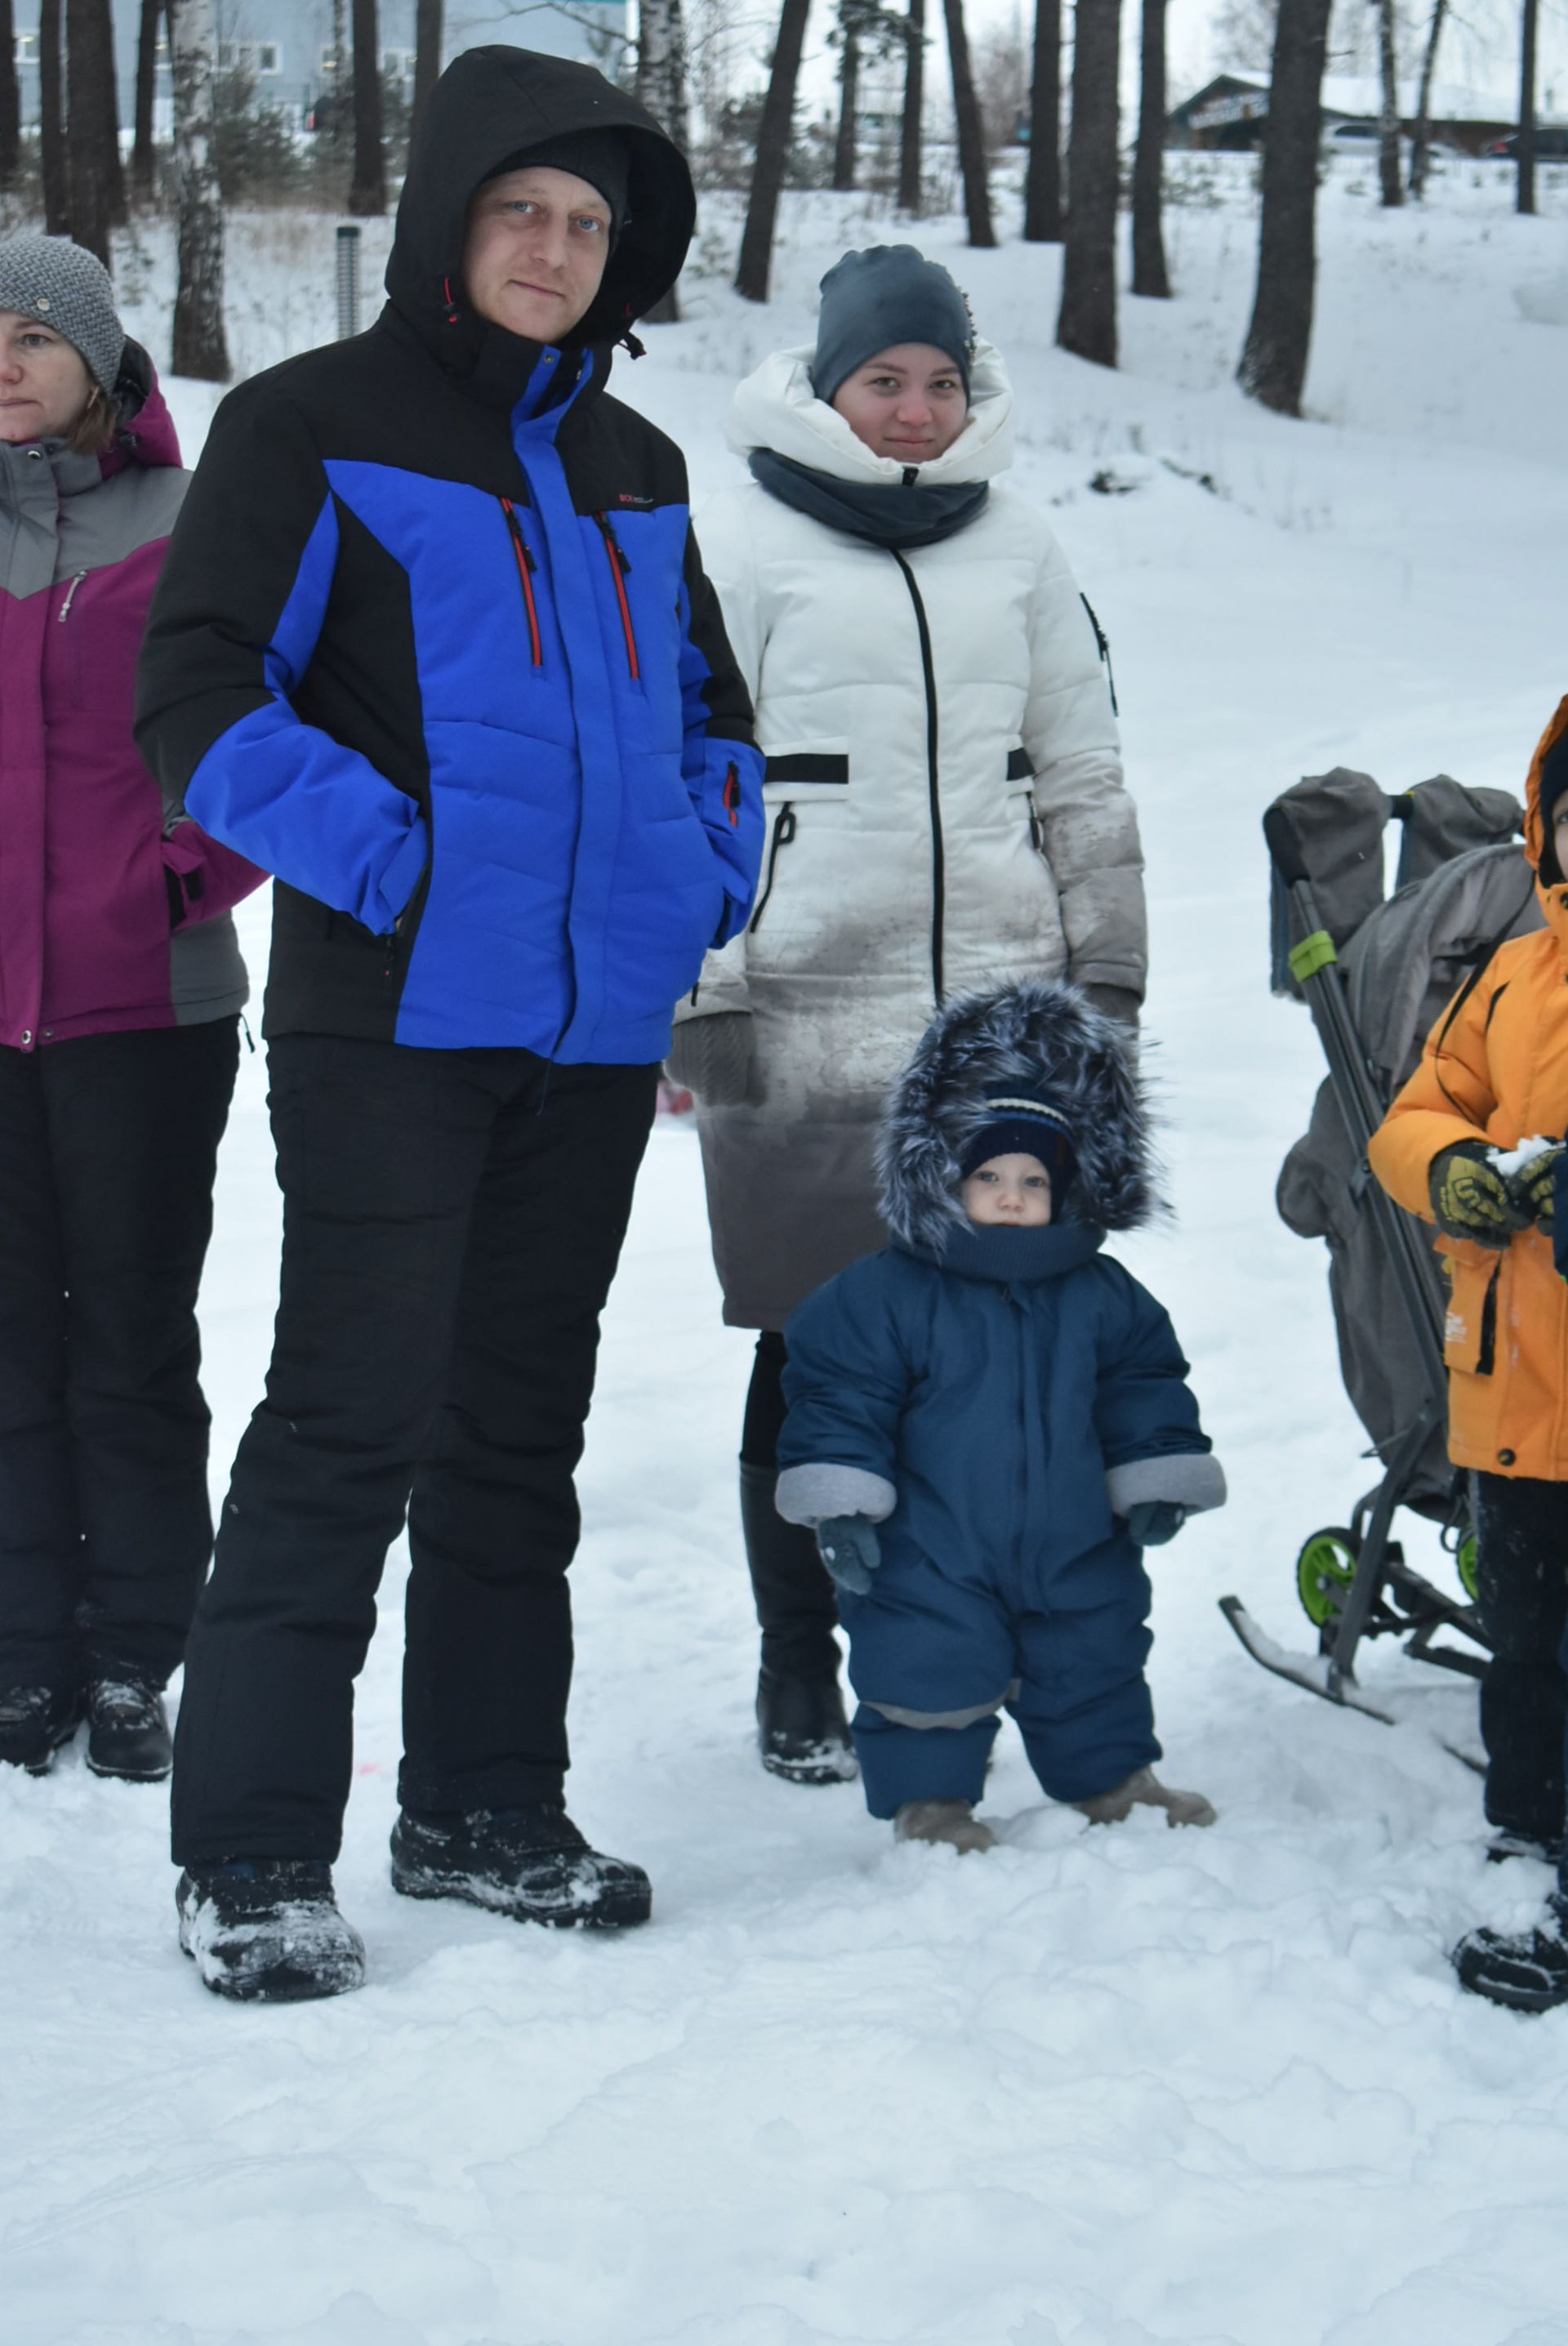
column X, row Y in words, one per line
column 820, row 770
column 1469, row 1323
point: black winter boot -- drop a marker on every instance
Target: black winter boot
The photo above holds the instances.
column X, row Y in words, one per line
column 267, row 1930
column 530, row 1863
column 34, row 1722
column 1525, row 1969
column 128, row 1731
column 802, row 1730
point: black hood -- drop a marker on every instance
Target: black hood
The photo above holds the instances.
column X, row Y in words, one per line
column 491, row 104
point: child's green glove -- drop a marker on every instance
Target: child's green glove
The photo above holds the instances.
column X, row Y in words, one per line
column 850, row 1550
column 1153, row 1520
column 1470, row 1199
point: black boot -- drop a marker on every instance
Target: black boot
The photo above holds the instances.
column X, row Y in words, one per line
column 531, row 1863
column 128, row 1731
column 802, row 1730
column 1525, row 1969
column 34, row 1722
column 267, row 1930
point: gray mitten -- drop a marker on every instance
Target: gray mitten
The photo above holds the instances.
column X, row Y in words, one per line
column 850, row 1551
column 1117, row 1002
column 712, row 1057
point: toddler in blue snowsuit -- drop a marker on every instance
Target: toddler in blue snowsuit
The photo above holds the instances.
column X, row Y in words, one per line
column 990, row 1420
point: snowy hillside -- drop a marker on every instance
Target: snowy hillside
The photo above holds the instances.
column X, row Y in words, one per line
column 1097, row 2088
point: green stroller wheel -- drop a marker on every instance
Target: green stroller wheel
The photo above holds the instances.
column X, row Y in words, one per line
column 1468, row 1561
column 1324, row 1572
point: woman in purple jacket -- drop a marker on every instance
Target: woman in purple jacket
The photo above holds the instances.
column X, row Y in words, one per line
column 120, row 991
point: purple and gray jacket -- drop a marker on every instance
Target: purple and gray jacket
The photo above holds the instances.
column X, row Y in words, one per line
column 114, row 909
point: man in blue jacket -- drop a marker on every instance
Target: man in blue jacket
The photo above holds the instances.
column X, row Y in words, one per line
column 434, row 645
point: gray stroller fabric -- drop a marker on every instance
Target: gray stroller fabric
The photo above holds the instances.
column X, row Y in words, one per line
column 1404, row 965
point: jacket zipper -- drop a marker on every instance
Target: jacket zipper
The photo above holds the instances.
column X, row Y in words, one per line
column 1102, row 646
column 64, row 612
column 732, row 796
column 938, row 851
column 525, row 573
column 783, row 832
column 620, row 571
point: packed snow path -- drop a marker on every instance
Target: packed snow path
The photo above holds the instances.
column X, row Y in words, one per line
column 1096, row 2088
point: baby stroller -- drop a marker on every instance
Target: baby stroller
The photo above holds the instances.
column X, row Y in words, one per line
column 1375, row 975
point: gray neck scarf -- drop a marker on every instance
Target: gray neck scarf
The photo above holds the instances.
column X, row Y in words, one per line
column 890, row 516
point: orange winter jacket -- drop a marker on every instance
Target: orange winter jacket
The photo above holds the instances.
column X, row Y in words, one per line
column 1501, row 1068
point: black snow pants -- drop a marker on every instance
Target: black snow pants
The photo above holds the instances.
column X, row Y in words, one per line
column 452, row 1222
column 109, row 1146
column 1522, row 1554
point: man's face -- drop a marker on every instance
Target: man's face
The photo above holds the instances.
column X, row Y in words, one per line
column 535, row 251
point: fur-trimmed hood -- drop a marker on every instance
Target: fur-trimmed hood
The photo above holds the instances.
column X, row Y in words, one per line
column 1042, row 1037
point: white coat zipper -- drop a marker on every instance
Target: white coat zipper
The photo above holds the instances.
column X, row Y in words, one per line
column 934, row 788
column 64, row 610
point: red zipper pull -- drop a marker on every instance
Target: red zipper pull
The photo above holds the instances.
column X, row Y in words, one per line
column 525, row 568
column 732, row 796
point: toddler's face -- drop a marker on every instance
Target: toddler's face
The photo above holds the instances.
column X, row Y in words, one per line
column 1008, row 1193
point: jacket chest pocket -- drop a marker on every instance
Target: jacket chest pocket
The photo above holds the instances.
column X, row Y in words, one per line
column 1470, row 1325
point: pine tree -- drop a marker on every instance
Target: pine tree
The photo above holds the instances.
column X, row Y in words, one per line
column 368, row 186
column 1043, row 184
column 1087, row 323
column 972, row 158
column 1150, row 275
column 774, row 133
column 1273, row 366
column 201, row 346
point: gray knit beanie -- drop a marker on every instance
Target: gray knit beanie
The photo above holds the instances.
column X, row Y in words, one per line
column 875, row 300
column 62, row 286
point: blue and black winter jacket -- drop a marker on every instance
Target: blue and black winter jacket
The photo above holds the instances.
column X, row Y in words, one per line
column 433, row 643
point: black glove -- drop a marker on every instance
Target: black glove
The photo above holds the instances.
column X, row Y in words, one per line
column 1534, row 1190
column 850, row 1551
column 1153, row 1520
column 1470, row 1199
column 712, row 1057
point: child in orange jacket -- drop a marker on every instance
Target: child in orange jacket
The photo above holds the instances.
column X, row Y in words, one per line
column 1473, row 1143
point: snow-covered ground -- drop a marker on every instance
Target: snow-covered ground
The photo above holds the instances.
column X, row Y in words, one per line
column 1097, row 2088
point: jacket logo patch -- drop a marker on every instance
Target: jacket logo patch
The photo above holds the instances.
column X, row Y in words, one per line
column 637, row 504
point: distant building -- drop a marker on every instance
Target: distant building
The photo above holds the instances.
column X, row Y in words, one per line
column 1231, row 111
column 292, row 47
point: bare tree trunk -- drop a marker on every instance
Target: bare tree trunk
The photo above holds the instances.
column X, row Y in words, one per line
column 773, row 135
column 911, row 151
column 368, row 186
column 1043, row 184
column 109, row 119
column 1421, row 145
column 662, row 87
column 144, row 154
column 10, row 98
column 1273, row 366
column 200, row 348
column 1086, row 324
column 429, row 36
column 1150, row 275
column 972, row 159
column 1524, row 201
column 846, row 145
column 89, row 58
column 52, row 123
column 1389, row 170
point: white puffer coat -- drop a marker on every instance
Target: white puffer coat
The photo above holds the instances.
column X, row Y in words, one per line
column 946, row 813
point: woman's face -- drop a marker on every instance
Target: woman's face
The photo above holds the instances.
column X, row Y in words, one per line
column 44, row 379
column 907, row 404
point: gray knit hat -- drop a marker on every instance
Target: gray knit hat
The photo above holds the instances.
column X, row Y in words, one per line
column 64, row 285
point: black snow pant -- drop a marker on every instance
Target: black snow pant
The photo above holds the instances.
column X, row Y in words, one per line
column 797, row 1608
column 1521, row 1555
column 452, row 1222
column 109, row 1146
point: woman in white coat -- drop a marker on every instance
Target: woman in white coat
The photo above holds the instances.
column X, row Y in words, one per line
column 946, row 813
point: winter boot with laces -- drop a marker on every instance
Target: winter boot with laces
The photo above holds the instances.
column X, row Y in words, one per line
column 953, row 1823
column 531, row 1863
column 1145, row 1790
column 1525, row 1969
column 128, row 1731
column 34, row 1723
column 267, row 1930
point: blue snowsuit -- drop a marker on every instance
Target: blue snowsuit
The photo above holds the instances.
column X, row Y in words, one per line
column 997, row 1409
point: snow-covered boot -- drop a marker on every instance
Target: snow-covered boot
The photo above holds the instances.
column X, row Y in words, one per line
column 801, row 1731
column 531, row 1863
column 1506, row 1844
column 267, row 1930
column 953, row 1823
column 128, row 1731
column 1525, row 1969
column 34, row 1723
column 1143, row 1790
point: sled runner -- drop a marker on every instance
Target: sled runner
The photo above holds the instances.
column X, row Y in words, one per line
column 1375, row 975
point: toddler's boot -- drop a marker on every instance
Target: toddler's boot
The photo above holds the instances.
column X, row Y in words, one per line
column 951, row 1822
column 530, row 1863
column 267, row 1930
column 1525, row 1969
column 1145, row 1790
